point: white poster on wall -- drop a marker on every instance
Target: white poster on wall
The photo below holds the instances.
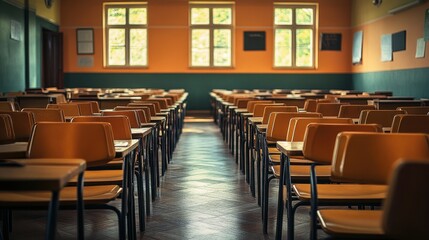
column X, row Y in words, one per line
column 357, row 47
column 386, row 48
column 421, row 48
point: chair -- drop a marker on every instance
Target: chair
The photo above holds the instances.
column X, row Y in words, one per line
column 271, row 109
column 401, row 217
column 310, row 105
column 131, row 114
column 259, row 108
column 415, row 110
column 85, row 108
column 7, row 106
column 353, row 111
column 46, row 115
column 410, row 123
column 382, row 117
column 151, row 107
column 92, row 142
column 251, row 104
column 121, row 131
column 298, row 126
column 143, row 112
column 7, row 134
column 319, row 144
column 22, row 123
column 329, row 109
column 353, row 166
column 69, row 109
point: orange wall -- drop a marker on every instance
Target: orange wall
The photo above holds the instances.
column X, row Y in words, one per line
column 168, row 36
column 410, row 20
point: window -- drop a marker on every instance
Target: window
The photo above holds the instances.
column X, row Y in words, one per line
column 294, row 35
column 211, row 29
column 125, row 34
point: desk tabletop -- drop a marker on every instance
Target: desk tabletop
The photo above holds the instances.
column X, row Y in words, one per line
column 157, row 119
column 13, row 150
column 140, row 132
column 254, row 120
column 123, row 151
column 38, row 177
column 290, row 148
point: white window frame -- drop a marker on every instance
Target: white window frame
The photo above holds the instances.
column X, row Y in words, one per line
column 211, row 27
column 293, row 27
column 127, row 27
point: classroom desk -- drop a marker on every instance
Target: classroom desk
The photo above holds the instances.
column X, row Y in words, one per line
column 127, row 204
column 13, row 150
column 40, row 175
column 287, row 149
column 144, row 135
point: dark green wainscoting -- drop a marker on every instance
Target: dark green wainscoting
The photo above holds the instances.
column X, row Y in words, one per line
column 199, row 85
column 410, row 82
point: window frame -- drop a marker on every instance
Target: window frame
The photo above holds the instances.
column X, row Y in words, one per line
column 293, row 27
column 127, row 27
column 211, row 27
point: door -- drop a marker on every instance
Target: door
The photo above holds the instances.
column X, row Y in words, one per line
column 52, row 59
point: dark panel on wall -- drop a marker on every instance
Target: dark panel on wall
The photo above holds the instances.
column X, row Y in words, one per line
column 40, row 25
column 199, row 85
column 412, row 82
column 12, row 66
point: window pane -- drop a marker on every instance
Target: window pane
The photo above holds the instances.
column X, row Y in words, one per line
column 222, row 47
column 116, row 46
column 283, row 16
column 138, row 47
column 304, row 16
column 222, row 16
column 200, row 47
column 137, row 16
column 200, row 16
column 283, row 48
column 116, row 16
column 304, row 42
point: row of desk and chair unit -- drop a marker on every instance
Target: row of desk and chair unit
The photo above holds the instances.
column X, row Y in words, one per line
column 80, row 153
column 369, row 144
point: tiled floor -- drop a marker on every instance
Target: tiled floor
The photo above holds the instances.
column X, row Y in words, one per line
column 202, row 196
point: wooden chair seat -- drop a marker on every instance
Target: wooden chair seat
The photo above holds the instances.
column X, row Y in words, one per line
column 350, row 193
column 94, row 177
column 301, row 173
column 296, row 160
column 91, row 195
column 343, row 222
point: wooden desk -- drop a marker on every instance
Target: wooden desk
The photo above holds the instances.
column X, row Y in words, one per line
column 13, row 150
column 287, row 149
column 127, row 204
column 40, row 175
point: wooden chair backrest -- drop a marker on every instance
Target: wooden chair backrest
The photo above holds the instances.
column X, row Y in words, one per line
column 92, row 142
column 22, row 123
column 120, row 125
column 353, row 111
column 370, row 157
column 258, row 109
column 410, row 123
column 7, row 106
column 270, row 109
column 277, row 130
column 7, row 134
column 69, row 109
column 46, row 115
column 143, row 112
column 151, row 107
column 298, row 126
column 329, row 109
column 382, row 117
column 405, row 209
column 319, row 139
column 251, row 104
column 415, row 110
column 310, row 105
column 131, row 114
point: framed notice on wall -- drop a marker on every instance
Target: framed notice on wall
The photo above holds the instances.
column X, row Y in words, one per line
column 85, row 41
column 330, row 42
